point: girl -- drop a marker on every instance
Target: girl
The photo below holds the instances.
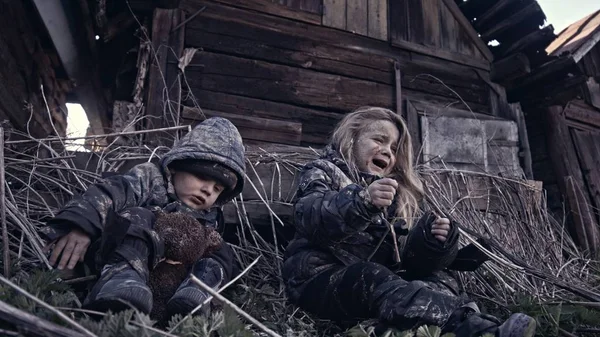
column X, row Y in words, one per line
column 344, row 262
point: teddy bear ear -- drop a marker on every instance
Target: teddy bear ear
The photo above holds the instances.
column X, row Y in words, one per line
column 214, row 240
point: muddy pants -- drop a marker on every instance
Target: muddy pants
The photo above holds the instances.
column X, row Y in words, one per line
column 369, row 290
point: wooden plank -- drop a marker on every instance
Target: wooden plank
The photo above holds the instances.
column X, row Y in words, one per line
column 230, row 37
column 399, row 20
column 412, row 122
column 285, row 84
column 592, row 88
column 516, row 18
column 568, row 171
column 509, row 68
column 519, row 117
column 468, row 28
column 312, row 6
column 317, row 125
column 161, row 27
column 536, row 40
column 268, row 6
column 485, row 19
column 416, row 22
column 378, row 19
column 334, row 13
column 444, row 54
column 255, row 128
column 449, row 30
column 158, row 114
column 431, row 22
column 357, row 16
column 582, row 114
column 588, row 149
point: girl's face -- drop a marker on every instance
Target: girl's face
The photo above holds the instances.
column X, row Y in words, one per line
column 375, row 148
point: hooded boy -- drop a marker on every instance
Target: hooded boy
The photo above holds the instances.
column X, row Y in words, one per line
column 202, row 172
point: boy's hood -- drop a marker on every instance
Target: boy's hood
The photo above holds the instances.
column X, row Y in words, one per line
column 215, row 139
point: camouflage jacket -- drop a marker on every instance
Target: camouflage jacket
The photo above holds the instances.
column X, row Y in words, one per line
column 334, row 225
column 149, row 185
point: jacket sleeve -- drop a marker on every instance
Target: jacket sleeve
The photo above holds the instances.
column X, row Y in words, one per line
column 88, row 212
column 323, row 214
column 423, row 254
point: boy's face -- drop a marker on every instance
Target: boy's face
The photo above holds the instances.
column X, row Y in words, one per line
column 196, row 192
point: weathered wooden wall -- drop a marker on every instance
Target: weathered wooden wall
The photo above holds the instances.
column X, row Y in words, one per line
column 564, row 142
column 590, row 66
column 26, row 65
column 256, row 59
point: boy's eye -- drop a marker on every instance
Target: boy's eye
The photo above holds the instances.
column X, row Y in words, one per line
column 219, row 188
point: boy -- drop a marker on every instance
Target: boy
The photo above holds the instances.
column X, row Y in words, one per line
column 202, row 172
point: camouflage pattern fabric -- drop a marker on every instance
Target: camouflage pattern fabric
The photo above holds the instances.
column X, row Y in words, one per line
column 341, row 264
column 149, row 186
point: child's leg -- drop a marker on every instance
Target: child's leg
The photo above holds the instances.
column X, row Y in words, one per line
column 215, row 271
column 123, row 281
column 369, row 290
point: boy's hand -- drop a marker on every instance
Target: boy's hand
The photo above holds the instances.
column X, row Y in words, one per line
column 382, row 192
column 72, row 246
column 440, row 229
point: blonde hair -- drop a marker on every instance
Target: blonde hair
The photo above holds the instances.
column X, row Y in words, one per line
column 410, row 188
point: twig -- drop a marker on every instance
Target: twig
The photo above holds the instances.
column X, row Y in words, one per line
column 5, row 243
column 130, row 133
column 29, row 325
column 188, row 19
column 234, row 307
column 98, row 313
column 80, row 279
column 47, row 306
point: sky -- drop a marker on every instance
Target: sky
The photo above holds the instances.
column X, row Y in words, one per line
column 561, row 13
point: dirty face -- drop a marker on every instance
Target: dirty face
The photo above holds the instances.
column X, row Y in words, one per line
column 197, row 192
column 375, row 149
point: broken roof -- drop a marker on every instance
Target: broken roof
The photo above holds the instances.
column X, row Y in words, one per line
column 577, row 39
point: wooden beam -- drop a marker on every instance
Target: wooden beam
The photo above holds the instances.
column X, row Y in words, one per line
column 509, row 68
column 464, row 22
column 161, row 103
column 255, row 128
column 414, row 129
column 518, row 116
column 570, row 180
column 484, row 19
column 540, row 73
column 583, row 115
column 77, row 63
column 588, row 150
column 268, row 6
column 592, row 92
column 492, row 32
column 538, row 39
column 440, row 53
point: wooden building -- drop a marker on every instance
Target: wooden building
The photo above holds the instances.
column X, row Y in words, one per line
column 472, row 78
column 565, row 131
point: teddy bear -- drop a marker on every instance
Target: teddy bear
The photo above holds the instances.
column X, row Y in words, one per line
column 186, row 240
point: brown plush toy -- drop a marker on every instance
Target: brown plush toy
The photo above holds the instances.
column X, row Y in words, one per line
column 186, row 240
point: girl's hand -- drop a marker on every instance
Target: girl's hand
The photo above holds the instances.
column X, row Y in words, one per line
column 440, row 229
column 382, row 192
column 71, row 248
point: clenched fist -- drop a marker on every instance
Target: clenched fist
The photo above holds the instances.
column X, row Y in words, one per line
column 382, row 192
column 71, row 248
column 440, row 229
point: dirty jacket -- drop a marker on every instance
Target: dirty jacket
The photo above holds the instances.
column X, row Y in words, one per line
column 336, row 226
column 149, row 185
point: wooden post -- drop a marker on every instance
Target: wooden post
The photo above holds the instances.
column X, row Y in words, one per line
column 5, row 246
column 163, row 91
column 570, row 179
column 398, row 74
